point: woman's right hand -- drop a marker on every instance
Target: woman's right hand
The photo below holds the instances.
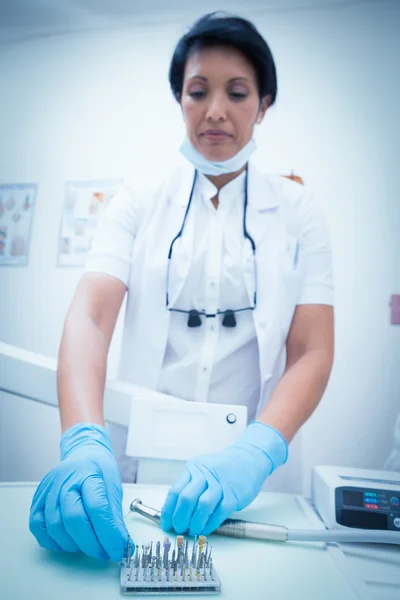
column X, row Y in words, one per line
column 78, row 504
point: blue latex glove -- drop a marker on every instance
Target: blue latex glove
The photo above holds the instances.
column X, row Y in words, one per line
column 213, row 486
column 78, row 505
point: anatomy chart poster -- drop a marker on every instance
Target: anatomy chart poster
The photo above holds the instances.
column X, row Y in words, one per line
column 84, row 201
column 17, row 203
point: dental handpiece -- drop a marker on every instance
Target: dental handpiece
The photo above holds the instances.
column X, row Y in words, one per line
column 230, row 528
column 278, row 533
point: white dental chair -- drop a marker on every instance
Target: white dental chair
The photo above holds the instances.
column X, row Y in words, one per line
column 164, row 431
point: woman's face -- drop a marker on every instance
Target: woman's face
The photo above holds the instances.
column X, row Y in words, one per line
column 220, row 101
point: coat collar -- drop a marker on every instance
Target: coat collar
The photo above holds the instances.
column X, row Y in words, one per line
column 261, row 194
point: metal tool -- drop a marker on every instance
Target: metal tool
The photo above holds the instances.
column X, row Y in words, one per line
column 151, row 576
column 230, row 527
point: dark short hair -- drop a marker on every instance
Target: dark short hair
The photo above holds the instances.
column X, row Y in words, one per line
column 216, row 29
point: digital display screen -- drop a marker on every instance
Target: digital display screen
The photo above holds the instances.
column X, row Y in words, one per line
column 352, row 498
column 362, row 519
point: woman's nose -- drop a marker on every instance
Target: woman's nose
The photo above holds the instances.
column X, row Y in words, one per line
column 216, row 109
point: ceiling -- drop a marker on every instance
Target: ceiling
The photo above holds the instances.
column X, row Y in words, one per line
column 24, row 19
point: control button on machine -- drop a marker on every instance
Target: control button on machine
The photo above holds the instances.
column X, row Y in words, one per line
column 396, row 522
column 395, row 501
column 231, row 418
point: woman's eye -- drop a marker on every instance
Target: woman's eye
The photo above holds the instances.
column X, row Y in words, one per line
column 238, row 95
column 197, row 94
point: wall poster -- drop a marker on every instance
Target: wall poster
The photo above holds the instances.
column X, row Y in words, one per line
column 17, row 203
column 84, row 201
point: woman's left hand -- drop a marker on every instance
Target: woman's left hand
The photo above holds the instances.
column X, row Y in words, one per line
column 213, row 486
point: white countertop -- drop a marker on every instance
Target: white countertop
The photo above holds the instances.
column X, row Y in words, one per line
column 247, row 568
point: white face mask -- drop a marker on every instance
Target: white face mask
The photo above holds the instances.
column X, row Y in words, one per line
column 212, row 167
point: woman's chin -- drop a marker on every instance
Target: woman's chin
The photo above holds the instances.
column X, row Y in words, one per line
column 216, row 154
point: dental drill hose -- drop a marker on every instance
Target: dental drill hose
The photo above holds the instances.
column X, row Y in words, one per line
column 277, row 533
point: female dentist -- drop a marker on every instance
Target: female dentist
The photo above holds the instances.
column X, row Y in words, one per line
column 224, row 267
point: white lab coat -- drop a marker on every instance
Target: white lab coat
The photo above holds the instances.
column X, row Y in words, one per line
column 293, row 265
